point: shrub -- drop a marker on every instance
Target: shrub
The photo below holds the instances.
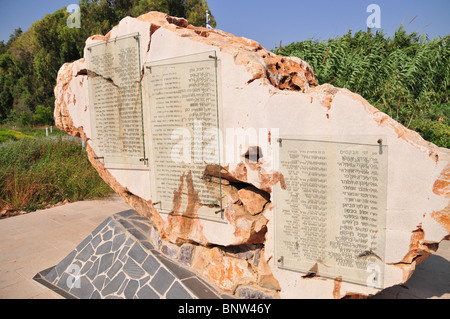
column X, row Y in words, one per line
column 43, row 115
column 11, row 135
column 435, row 132
column 25, row 118
column 39, row 172
column 406, row 76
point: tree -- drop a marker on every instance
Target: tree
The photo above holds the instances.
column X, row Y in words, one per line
column 196, row 13
column 43, row 115
column 3, row 47
column 25, row 118
column 6, row 100
column 193, row 10
column 144, row 6
column 29, row 61
column 14, row 36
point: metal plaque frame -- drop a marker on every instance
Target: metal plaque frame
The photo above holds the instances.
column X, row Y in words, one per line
column 115, row 95
column 330, row 218
column 184, row 93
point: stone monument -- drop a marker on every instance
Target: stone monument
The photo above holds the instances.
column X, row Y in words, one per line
column 257, row 179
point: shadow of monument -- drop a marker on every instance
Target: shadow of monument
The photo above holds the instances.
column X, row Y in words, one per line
column 431, row 278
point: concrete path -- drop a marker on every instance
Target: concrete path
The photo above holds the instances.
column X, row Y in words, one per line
column 36, row 241
column 33, row 242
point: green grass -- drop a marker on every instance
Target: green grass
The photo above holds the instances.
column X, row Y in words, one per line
column 38, row 172
column 11, row 135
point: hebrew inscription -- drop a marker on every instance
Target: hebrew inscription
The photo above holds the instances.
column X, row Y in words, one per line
column 115, row 97
column 184, row 134
column 330, row 219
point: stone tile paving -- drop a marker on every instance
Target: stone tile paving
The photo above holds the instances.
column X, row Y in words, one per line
column 118, row 261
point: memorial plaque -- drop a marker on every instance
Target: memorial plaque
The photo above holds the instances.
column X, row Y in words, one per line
column 184, row 124
column 115, row 97
column 330, row 219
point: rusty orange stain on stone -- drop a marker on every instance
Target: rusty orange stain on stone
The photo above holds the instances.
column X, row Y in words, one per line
column 182, row 225
column 441, row 187
column 443, row 217
column 327, row 102
column 337, row 288
column 224, row 271
column 281, row 72
column 442, row 184
column 62, row 91
column 240, row 172
column 419, row 250
column 101, row 37
column 269, row 180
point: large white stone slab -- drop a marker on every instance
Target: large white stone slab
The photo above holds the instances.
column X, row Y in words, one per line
column 274, row 97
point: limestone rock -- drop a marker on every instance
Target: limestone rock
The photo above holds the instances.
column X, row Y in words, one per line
column 253, row 199
column 262, row 90
column 226, row 272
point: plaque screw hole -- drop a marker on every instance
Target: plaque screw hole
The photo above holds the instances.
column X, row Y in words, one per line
column 380, row 142
column 280, row 141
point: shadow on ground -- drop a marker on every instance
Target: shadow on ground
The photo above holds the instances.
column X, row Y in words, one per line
column 423, row 283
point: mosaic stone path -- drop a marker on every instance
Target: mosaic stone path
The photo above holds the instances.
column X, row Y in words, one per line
column 117, row 261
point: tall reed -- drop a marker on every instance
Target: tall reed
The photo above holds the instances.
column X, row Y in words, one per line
column 406, row 76
column 35, row 173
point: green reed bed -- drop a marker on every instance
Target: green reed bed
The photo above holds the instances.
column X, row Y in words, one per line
column 38, row 172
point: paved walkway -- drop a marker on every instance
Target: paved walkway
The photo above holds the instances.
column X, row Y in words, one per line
column 34, row 242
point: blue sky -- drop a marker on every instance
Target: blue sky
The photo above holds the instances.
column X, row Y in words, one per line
column 269, row 21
